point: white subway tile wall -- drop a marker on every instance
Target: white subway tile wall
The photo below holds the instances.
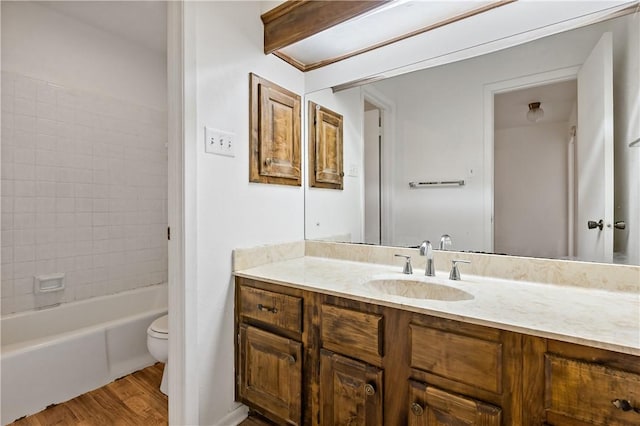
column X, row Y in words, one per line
column 84, row 192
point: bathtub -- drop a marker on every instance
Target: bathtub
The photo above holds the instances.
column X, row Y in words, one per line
column 53, row 355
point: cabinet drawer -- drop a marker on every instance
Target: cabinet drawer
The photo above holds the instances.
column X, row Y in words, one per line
column 586, row 391
column 352, row 333
column 433, row 406
column 465, row 359
column 272, row 308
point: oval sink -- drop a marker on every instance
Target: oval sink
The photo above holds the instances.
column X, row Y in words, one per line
column 413, row 289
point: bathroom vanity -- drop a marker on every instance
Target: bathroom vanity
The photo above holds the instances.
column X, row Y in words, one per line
column 318, row 343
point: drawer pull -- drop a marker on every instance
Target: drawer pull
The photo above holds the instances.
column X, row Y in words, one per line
column 417, row 409
column 263, row 308
column 369, row 389
column 624, row 405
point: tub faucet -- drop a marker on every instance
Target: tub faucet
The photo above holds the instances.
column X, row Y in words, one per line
column 445, row 242
column 427, row 250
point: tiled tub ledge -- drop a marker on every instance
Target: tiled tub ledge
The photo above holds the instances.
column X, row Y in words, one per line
column 606, row 318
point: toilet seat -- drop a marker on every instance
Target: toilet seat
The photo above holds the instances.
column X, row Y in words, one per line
column 159, row 328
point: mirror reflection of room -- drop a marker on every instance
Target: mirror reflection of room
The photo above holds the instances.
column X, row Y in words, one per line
column 451, row 150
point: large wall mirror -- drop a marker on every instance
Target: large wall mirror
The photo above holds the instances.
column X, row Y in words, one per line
column 529, row 151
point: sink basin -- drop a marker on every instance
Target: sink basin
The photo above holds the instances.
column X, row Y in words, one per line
column 414, row 289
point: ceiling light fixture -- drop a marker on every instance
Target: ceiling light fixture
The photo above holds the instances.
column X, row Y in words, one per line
column 535, row 113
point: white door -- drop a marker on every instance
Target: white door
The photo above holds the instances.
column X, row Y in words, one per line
column 372, row 227
column 594, row 155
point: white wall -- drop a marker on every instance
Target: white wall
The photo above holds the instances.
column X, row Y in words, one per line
column 84, row 161
column 530, row 190
column 50, row 46
column 440, row 126
column 231, row 212
column 330, row 213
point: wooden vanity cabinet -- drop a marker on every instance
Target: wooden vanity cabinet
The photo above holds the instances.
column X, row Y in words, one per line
column 463, row 373
column 350, row 391
column 271, row 373
column 304, row 358
column 270, row 354
column 580, row 386
column 351, row 357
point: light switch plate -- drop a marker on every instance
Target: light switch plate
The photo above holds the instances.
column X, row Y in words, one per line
column 219, row 142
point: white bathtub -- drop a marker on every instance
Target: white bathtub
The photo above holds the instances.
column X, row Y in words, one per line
column 53, row 355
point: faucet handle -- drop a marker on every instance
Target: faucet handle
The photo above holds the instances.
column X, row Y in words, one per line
column 407, row 265
column 426, row 249
column 455, row 273
column 445, row 242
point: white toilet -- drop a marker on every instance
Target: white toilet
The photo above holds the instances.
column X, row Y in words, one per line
column 158, row 344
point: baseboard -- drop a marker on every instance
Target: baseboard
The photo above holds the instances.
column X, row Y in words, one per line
column 235, row 417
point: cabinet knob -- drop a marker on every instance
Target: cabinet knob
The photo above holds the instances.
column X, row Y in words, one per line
column 291, row 359
column 369, row 389
column 263, row 308
column 417, row 409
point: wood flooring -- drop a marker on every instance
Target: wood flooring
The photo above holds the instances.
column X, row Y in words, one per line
column 254, row 421
column 132, row 400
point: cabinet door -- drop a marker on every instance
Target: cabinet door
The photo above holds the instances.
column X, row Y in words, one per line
column 350, row 391
column 578, row 392
column 271, row 373
column 430, row 406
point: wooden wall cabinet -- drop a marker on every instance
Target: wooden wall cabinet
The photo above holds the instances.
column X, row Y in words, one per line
column 314, row 359
column 274, row 152
column 326, row 163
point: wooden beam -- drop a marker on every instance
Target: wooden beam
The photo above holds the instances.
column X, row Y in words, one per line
column 295, row 20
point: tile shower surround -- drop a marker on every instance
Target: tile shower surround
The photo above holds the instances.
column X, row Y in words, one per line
column 84, row 192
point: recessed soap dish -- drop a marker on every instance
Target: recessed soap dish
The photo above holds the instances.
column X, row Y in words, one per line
column 48, row 283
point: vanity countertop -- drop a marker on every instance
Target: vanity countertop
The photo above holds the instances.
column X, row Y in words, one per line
column 597, row 318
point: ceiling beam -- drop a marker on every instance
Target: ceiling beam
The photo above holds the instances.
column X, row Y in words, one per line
column 295, row 20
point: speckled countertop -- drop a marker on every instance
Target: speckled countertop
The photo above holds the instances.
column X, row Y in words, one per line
column 598, row 318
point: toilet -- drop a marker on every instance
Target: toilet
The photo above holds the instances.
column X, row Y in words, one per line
column 158, row 345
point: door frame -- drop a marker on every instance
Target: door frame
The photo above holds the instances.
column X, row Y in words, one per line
column 489, row 92
column 181, row 211
column 387, row 170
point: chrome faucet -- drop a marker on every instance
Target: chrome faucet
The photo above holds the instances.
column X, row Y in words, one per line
column 427, row 250
column 445, row 242
column 455, row 273
column 407, row 269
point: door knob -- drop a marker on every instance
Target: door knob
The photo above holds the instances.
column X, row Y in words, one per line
column 620, row 224
column 593, row 224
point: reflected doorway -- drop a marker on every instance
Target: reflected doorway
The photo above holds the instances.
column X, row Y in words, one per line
column 372, row 173
column 534, row 170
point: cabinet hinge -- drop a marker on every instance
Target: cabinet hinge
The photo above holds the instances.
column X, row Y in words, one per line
column 238, row 338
